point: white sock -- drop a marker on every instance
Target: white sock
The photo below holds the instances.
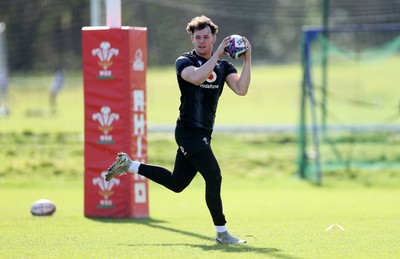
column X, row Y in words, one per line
column 221, row 229
column 134, row 167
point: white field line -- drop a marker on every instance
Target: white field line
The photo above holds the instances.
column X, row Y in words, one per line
column 282, row 128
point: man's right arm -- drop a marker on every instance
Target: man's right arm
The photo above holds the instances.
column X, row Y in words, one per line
column 197, row 75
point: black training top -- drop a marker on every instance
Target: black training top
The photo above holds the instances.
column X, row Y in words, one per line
column 199, row 103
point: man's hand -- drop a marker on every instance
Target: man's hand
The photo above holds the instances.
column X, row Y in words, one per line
column 221, row 48
column 247, row 54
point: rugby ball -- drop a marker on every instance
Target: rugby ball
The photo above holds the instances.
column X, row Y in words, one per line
column 237, row 47
column 43, row 207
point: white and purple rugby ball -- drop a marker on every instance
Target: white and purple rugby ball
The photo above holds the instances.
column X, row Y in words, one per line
column 237, row 47
column 43, row 207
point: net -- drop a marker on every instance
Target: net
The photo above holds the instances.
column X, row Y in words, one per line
column 4, row 111
column 350, row 103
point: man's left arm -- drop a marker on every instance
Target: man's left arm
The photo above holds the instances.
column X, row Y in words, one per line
column 240, row 84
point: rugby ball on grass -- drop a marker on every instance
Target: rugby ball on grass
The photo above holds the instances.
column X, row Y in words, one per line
column 237, row 47
column 43, row 207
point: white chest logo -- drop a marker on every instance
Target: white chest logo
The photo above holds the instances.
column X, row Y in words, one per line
column 212, row 77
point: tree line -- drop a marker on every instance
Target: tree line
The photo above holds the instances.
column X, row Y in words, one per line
column 46, row 34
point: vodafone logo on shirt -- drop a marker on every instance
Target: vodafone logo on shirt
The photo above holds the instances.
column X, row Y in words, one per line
column 212, row 77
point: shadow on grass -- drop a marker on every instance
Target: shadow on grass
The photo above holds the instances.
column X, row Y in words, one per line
column 154, row 223
column 144, row 221
column 245, row 248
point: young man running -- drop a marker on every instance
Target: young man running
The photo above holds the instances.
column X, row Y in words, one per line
column 201, row 75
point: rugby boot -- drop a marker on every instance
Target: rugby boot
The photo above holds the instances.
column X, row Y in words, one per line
column 120, row 166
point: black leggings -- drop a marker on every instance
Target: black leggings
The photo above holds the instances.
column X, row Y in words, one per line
column 185, row 170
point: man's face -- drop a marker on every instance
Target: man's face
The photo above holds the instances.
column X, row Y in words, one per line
column 203, row 41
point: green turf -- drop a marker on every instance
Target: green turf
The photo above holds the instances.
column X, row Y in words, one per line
column 280, row 216
column 280, row 219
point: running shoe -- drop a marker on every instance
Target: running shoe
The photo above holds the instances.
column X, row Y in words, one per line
column 226, row 238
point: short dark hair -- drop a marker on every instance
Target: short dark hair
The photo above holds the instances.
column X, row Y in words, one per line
column 199, row 23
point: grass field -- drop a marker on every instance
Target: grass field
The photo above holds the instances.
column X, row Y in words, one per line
column 281, row 217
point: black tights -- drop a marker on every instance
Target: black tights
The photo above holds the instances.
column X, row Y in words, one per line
column 185, row 170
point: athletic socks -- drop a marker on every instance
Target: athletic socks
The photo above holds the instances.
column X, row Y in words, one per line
column 134, row 167
column 221, row 229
